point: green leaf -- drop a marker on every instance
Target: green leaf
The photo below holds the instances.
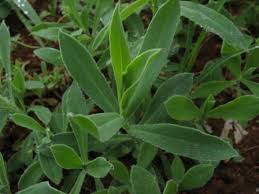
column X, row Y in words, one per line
column 179, row 84
column 243, row 108
column 125, row 13
column 81, row 135
column 197, row 176
column 42, row 113
column 253, row 86
column 5, row 9
column 50, row 55
column 108, row 124
column 70, row 8
column 219, row 63
column 138, row 65
column 3, row 120
column 234, row 64
column 49, row 166
column 113, row 190
column 134, row 95
column 120, row 171
column 3, row 175
column 66, row 157
column 182, row 108
column 73, row 101
column 99, row 167
column 146, row 155
column 7, row 106
column 79, row 183
column 46, row 32
column 133, row 8
column 34, row 84
column 27, row 122
column 119, row 50
column 215, row 22
column 28, row 10
column 5, row 47
column 67, row 138
column 171, row 187
column 102, row 126
column 252, row 59
column 5, row 56
column 143, row 182
column 211, row 88
column 184, row 141
column 31, row 176
column 177, row 169
column 40, row 188
column 161, row 29
column 84, row 70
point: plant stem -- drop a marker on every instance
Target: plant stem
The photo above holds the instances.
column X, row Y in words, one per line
column 25, row 45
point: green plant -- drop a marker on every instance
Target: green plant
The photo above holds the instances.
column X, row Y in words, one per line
column 132, row 121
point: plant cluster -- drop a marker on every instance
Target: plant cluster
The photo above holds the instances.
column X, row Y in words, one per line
column 146, row 106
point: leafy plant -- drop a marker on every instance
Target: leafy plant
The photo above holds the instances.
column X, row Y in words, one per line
column 131, row 110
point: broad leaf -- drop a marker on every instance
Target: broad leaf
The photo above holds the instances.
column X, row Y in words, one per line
column 162, row 28
column 138, row 65
column 146, row 155
column 132, row 8
column 211, row 88
column 120, row 171
column 27, row 122
column 3, row 175
column 5, row 47
column 49, row 166
column 171, row 187
column 179, row 84
column 84, row 70
column 66, row 157
column 215, row 22
column 99, row 167
column 81, row 135
column 73, row 101
column 119, row 50
column 160, row 34
column 253, row 86
column 5, row 56
column 219, row 63
column 102, row 126
column 177, row 169
column 28, row 10
column 31, row 176
column 234, row 64
column 197, row 176
column 50, row 55
column 243, row 108
column 184, row 141
column 143, row 182
column 182, row 108
column 43, row 187
column 7, row 106
column 42, row 113
column 76, row 189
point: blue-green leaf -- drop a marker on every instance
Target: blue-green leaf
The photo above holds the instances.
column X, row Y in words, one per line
column 84, row 70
